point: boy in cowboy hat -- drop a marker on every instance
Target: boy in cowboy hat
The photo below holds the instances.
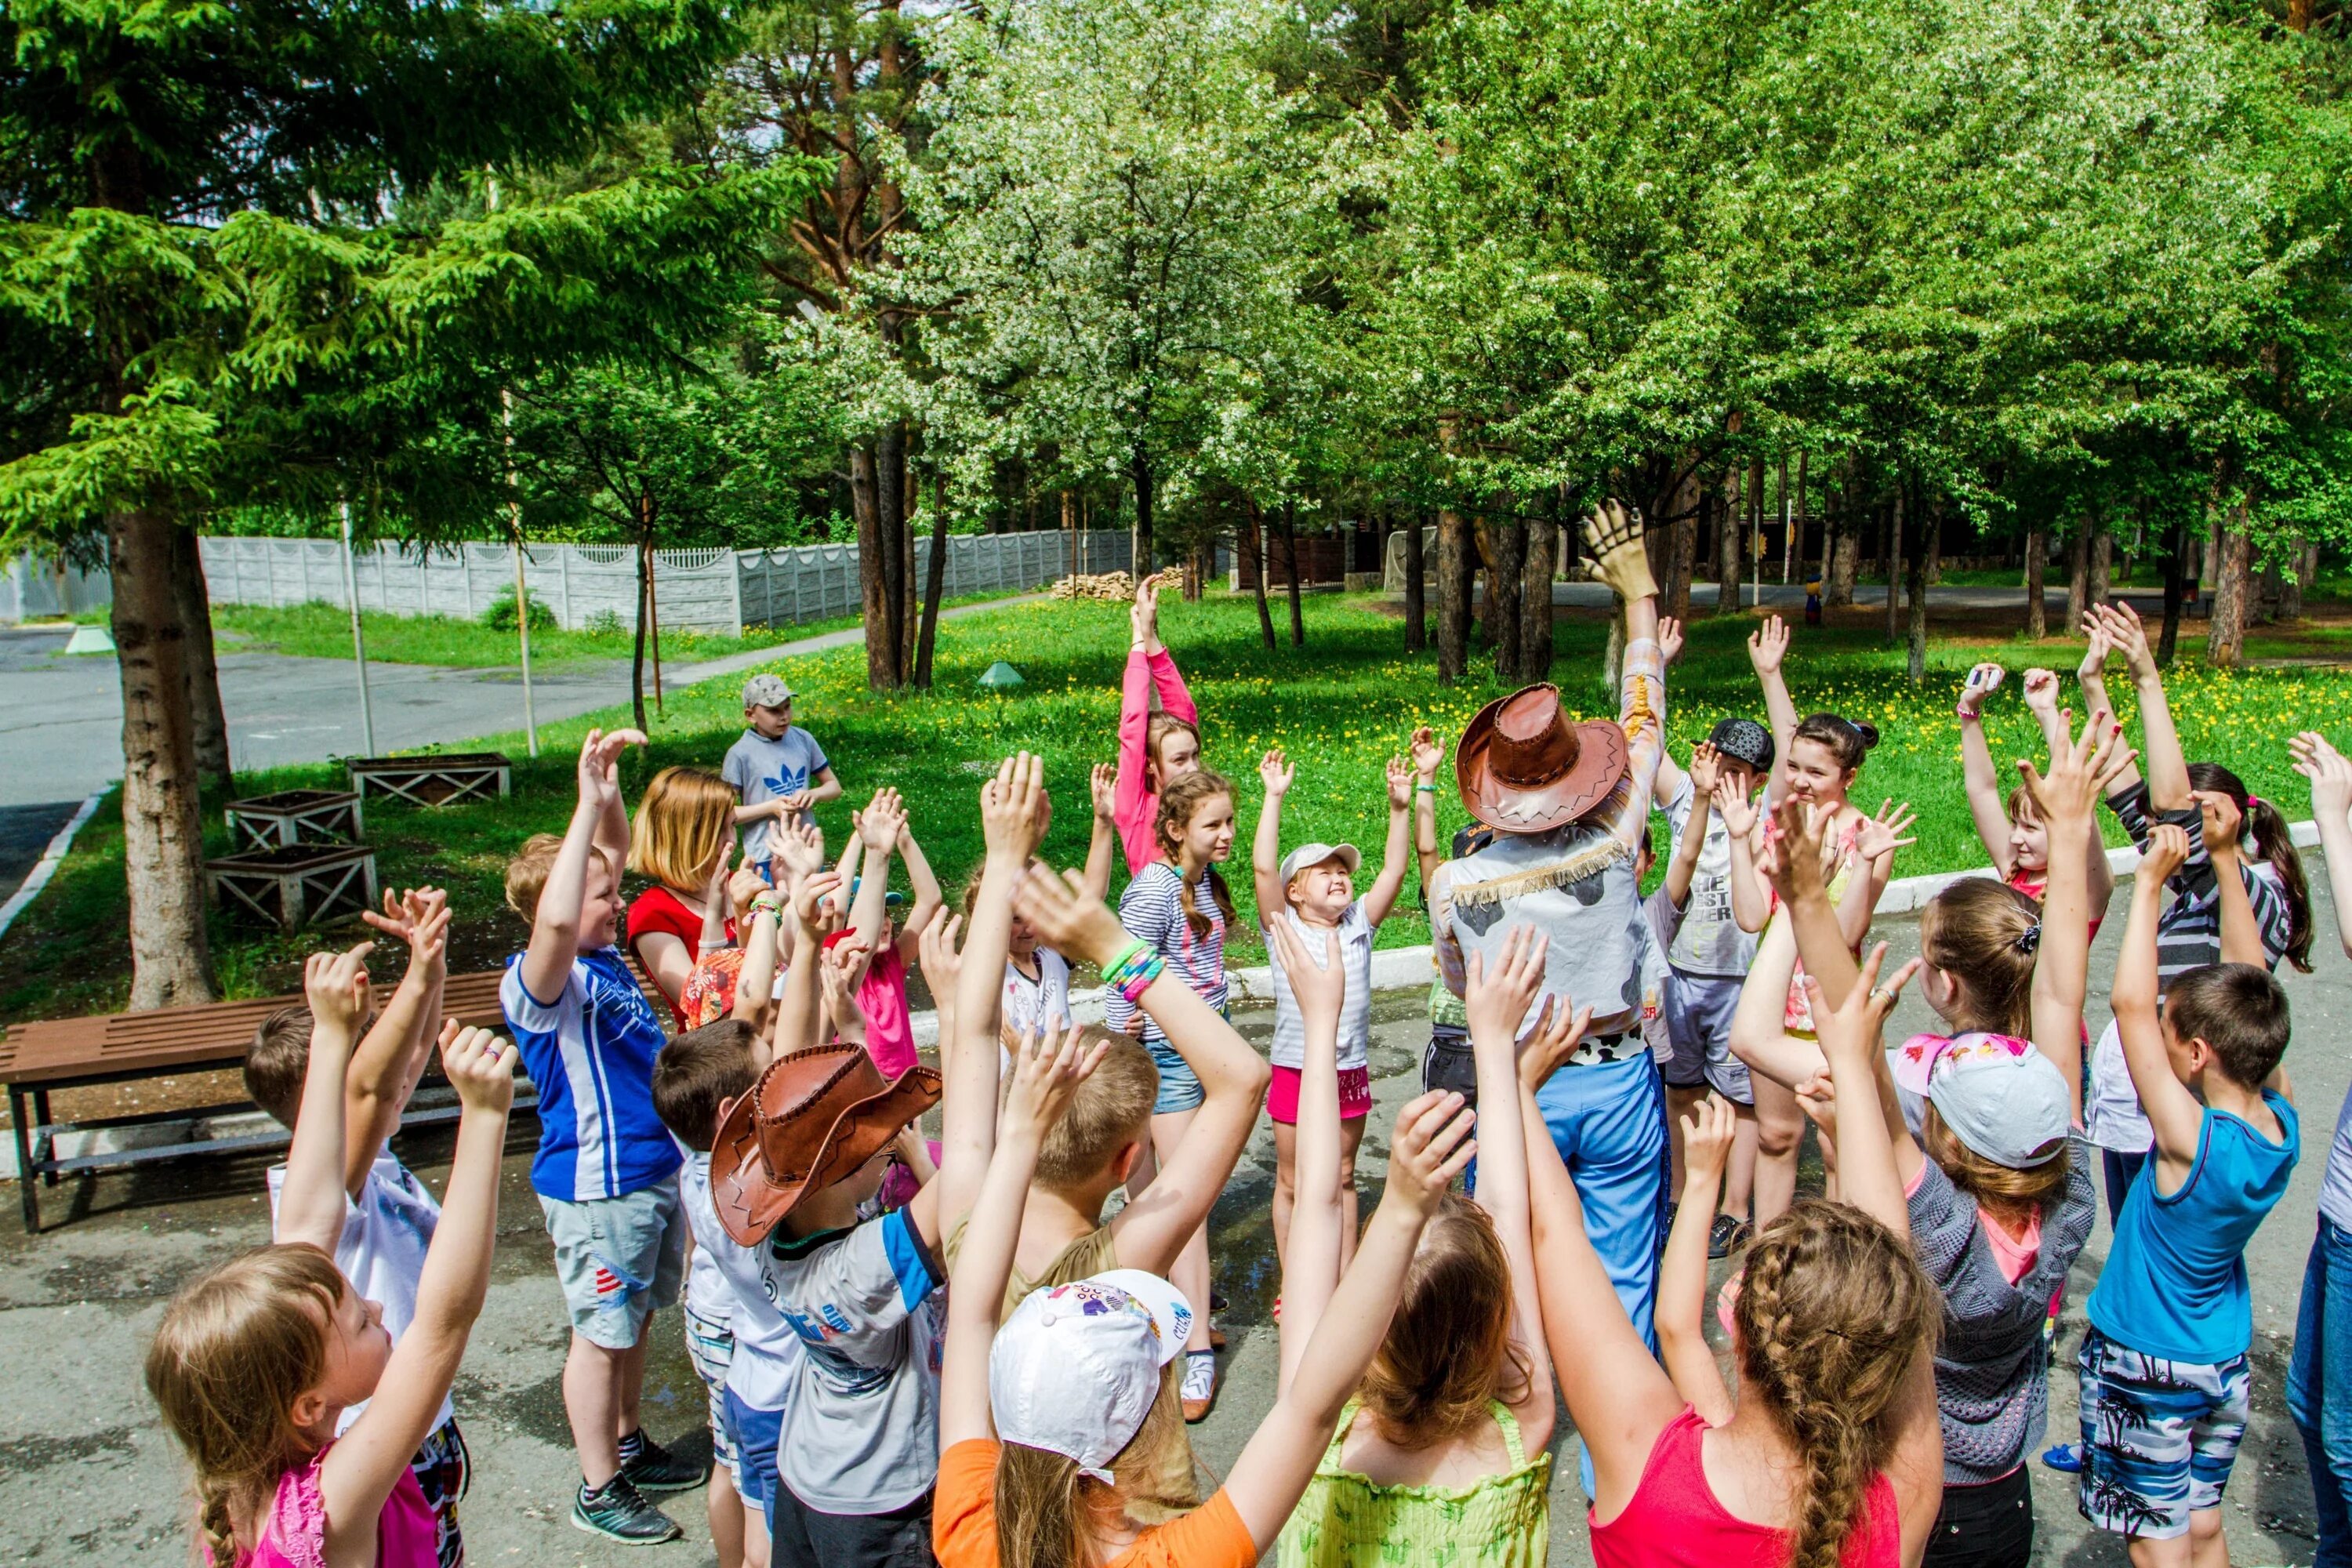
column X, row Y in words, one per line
column 1569, row 803
column 796, row 1171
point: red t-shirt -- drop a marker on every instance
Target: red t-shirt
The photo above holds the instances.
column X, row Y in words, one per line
column 1675, row 1520
column 660, row 909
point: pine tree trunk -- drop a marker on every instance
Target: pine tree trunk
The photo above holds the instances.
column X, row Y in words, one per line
column 1935, row 541
column 1730, row 546
column 163, row 823
column 1503, row 609
column 1261, row 560
column 1290, row 563
column 1690, row 498
column 1535, row 603
column 1138, row 469
column 2225, row 642
column 1454, row 584
column 2037, row 570
column 1894, row 565
column 1845, row 551
column 1416, row 625
column 208, row 723
column 2078, row 577
column 934, row 583
column 2179, row 577
column 871, row 591
column 2097, row 580
column 2299, row 580
column 1917, row 581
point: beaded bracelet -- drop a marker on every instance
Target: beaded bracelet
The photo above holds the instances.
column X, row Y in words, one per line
column 1141, row 981
column 1130, row 961
column 767, row 904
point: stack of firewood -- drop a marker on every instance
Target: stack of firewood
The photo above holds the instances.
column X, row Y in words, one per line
column 1113, row 585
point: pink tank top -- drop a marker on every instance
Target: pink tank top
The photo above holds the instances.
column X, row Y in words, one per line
column 1675, row 1521
column 293, row 1534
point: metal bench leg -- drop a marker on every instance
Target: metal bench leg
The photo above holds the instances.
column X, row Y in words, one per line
column 26, row 1190
column 41, row 1119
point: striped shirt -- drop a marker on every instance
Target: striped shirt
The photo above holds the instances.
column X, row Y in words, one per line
column 1352, row 940
column 2188, row 933
column 1152, row 911
column 590, row 1053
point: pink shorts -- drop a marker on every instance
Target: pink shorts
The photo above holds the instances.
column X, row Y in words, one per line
column 1355, row 1095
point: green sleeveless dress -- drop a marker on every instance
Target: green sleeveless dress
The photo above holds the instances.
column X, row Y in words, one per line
column 1346, row 1521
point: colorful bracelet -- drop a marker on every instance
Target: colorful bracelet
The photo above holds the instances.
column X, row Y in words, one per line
column 1426, row 789
column 767, row 904
column 1141, row 981
column 1130, row 961
column 1964, row 716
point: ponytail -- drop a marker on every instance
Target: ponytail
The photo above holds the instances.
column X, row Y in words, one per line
column 1846, row 739
column 2266, row 828
column 1178, row 803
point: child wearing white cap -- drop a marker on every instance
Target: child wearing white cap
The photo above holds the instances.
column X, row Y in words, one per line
column 2000, row 1198
column 777, row 768
column 1313, row 889
column 1038, row 1419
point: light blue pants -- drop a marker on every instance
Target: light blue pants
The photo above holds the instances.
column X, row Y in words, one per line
column 2319, row 1389
column 1609, row 1122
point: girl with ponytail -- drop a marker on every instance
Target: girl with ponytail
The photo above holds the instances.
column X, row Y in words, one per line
column 1179, row 908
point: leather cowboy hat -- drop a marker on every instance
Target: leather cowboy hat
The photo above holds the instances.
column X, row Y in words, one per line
column 1523, row 768
column 813, row 1117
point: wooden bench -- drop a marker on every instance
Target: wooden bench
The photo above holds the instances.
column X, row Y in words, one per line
column 37, row 1059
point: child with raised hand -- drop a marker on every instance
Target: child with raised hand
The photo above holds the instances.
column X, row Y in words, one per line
column 606, row 1169
column 882, row 830
column 1442, row 1452
column 1708, row 1133
column 1155, row 747
column 2189, row 930
column 1832, row 1454
column 2016, row 832
column 2166, row 1387
column 1178, row 910
column 2323, row 1331
column 1313, row 889
column 256, row 1361
column 1445, row 1061
column 1038, row 1420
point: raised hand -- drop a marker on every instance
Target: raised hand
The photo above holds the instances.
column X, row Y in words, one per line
column 2223, row 821
column 938, row 949
column 1428, row 1148
column 1706, row 769
column 1496, row 1001
column 1849, row 1032
column 842, row 963
column 1883, row 834
column 481, row 1067
column 880, row 825
column 1276, row 772
column 2093, row 668
column 2328, row 771
column 1400, row 784
column 1320, row 987
column 1797, row 867
column 1613, row 534
column 1768, row 645
column 2167, row 851
column 799, row 846
column 2080, row 773
column 336, row 986
column 1557, row 1034
column 1046, row 1072
column 812, row 898
column 1708, row 1133
column 1066, row 920
column 1732, row 804
column 1012, row 808
column 1428, row 756
column 744, row 886
column 403, row 913
column 1102, row 784
column 2041, row 690
column 1670, row 640
column 1143, row 615
column 2120, row 625
column 600, row 763
column 1983, row 681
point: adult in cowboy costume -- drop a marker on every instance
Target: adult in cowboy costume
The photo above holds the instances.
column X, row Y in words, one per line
column 1568, row 801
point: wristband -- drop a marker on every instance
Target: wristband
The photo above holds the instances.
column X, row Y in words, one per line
column 767, row 904
column 1131, row 961
column 1424, row 789
column 1968, row 717
column 1141, row 981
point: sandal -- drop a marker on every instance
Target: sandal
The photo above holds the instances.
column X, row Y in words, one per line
column 1200, row 1385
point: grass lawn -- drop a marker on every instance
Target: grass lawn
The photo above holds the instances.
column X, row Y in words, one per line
column 1339, row 707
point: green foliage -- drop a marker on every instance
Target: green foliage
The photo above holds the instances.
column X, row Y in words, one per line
column 500, row 614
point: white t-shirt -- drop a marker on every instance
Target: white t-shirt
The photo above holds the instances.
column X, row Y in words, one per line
column 1353, row 941
column 381, row 1250
column 2112, row 1117
column 767, row 1352
column 1034, row 1003
column 1709, row 942
column 707, row 1294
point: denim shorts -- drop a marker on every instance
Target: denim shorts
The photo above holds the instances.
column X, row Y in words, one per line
column 1179, row 1089
column 620, row 1260
column 2159, row 1437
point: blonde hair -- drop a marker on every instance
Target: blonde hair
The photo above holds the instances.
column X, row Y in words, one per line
column 2011, row 1194
column 1178, row 804
column 526, row 872
column 237, row 1346
column 1985, row 934
column 1048, row 1515
column 1448, row 1354
column 1111, row 1109
column 1158, row 728
column 685, row 819
column 1833, row 1311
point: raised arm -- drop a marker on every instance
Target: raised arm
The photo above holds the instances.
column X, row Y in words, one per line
column 1265, row 845
column 1752, row 904
column 1427, row 758
column 1382, row 897
column 877, row 829
column 1310, row 1271
column 927, row 901
column 2242, row 937
column 1767, row 647
column 361, row 1470
column 2174, row 1113
column 555, row 929
column 2062, row 965
column 1875, row 842
column 2330, row 775
column 1983, row 782
column 1668, row 782
column 1613, row 534
column 385, row 1068
column 1103, row 843
column 1759, row 1035
column 2160, row 755
column 1708, row 1134
column 1684, row 864
column 798, row 1011
column 311, row 1203
column 1852, row 1040
column 1821, row 938
column 1431, row 1145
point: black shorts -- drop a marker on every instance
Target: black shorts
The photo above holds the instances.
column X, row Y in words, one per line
column 1446, row 1063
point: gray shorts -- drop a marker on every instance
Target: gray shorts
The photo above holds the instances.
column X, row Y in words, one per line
column 620, row 1260
column 1698, row 1021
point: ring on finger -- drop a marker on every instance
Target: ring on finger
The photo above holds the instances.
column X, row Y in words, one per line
column 1880, row 994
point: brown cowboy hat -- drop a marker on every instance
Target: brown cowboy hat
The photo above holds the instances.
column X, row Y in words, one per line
column 1523, row 768
column 813, row 1116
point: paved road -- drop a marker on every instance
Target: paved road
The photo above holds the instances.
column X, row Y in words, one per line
column 87, row 1474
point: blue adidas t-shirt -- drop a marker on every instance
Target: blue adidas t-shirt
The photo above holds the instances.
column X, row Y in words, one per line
column 762, row 769
column 590, row 1053
column 2175, row 1283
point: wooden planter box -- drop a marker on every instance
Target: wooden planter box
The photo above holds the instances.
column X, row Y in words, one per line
column 299, row 885
column 433, row 780
column 295, row 817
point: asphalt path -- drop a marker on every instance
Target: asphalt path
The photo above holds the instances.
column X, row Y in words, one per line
column 89, row 1476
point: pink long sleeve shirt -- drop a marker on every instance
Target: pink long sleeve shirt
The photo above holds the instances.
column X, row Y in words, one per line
column 1136, row 805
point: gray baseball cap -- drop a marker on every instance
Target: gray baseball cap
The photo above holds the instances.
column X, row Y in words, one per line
column 1311, row 855
column 766, row 692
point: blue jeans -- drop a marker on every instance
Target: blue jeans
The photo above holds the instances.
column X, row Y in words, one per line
column 1609, row 1122
column 2320, row 1388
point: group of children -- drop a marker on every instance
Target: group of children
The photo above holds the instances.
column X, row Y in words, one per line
column 920, row 1352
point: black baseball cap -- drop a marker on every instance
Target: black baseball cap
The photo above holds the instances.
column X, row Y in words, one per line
column 1743, row 740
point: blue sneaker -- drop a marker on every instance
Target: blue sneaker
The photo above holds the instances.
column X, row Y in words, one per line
column 2063, row 1457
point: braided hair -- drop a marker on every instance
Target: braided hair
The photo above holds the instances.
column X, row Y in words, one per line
column 1833, row 1312
column 1178, row 803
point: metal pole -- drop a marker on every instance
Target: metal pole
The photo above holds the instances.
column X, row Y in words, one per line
column 522, row 592
column 359, row 638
